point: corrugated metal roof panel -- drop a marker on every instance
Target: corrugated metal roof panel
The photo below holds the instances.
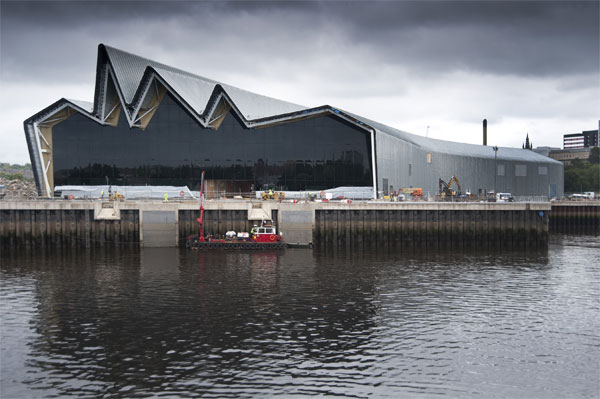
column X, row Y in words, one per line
column 255, row 106
column 455, row 148
column 480, row 151
column 85, row 105
column 129, row 70
column 195, row 90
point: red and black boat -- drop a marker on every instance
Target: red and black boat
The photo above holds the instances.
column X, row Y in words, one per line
column 261, row 237
column 264, row 237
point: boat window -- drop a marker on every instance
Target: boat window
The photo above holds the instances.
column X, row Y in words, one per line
column 261, row 231
column 269, row 231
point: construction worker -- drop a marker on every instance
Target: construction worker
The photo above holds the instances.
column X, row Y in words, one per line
column 271, row 193
column 166, row 197
column 102, row 193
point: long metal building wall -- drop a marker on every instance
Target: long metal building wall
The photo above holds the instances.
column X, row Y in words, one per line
column 404, row 164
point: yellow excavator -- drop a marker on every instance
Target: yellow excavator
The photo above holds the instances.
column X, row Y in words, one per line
column 446, row 191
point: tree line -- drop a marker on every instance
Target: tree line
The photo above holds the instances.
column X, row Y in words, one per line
column 584, row 175
column 16, row 172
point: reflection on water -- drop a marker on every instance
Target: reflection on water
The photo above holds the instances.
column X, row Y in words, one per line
column 299, row 323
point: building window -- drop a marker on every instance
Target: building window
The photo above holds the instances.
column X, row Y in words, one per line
column 428, row 157
column 542, row 170
column 500, row 170
column 521, row 170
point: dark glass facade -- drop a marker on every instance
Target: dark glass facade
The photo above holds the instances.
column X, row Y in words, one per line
column 311, row 154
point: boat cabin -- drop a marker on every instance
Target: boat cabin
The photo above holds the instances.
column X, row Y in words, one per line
column 266, row 232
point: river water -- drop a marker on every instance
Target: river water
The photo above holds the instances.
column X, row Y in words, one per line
column 297, row 323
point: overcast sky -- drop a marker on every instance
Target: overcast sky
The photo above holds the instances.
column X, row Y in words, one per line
column 528, row 67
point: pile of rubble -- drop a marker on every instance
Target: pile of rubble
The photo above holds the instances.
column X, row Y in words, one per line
column 18, row 189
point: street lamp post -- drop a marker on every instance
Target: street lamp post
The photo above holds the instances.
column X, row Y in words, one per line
column 495, row 148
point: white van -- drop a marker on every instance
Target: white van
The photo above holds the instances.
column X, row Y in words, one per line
column 504, row 197
column 589, row 195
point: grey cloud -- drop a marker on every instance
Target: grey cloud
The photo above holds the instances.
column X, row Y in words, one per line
column 539, row 38
column 532, row 38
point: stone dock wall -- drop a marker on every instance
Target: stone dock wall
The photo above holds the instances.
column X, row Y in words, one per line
column 335, row 224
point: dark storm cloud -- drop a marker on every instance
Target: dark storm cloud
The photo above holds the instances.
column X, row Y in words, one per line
column 528, row 66
column 533, row 38
column 540, row 38
column 530, row 38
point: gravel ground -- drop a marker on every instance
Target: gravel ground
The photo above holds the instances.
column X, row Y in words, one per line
column 18, row 189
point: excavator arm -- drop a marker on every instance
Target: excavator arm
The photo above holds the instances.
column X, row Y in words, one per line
column 455, row 180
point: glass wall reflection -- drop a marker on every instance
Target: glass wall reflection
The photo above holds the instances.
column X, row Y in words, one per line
column 317, row 153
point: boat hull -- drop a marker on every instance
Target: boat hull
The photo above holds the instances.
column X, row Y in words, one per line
column 237, row 245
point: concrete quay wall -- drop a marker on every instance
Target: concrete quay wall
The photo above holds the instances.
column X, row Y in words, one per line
column 407, row 224
column 575, row 217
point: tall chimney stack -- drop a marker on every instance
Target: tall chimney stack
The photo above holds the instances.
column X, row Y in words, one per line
column 485, row 132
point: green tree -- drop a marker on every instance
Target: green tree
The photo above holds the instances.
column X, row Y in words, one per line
column 582, row 176
column 12, row 176
column 595, row 155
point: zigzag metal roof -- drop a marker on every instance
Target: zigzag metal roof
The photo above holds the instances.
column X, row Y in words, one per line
column 195, row 90
column 132, row 73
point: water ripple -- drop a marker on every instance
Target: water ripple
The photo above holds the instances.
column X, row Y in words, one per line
column 165, row 322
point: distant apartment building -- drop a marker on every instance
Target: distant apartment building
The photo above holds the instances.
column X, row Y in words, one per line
column 585, row 139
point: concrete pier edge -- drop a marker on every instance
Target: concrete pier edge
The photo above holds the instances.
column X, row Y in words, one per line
column 304, row 223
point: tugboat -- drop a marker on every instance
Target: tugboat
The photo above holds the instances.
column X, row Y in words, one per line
column 261, row 237
column 264, row 237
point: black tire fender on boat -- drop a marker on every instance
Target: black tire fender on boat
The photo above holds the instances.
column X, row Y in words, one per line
column 188, row 244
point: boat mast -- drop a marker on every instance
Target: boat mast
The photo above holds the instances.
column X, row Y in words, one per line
column 201, row 218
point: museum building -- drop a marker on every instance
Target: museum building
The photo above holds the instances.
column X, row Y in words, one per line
column 152, row 124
